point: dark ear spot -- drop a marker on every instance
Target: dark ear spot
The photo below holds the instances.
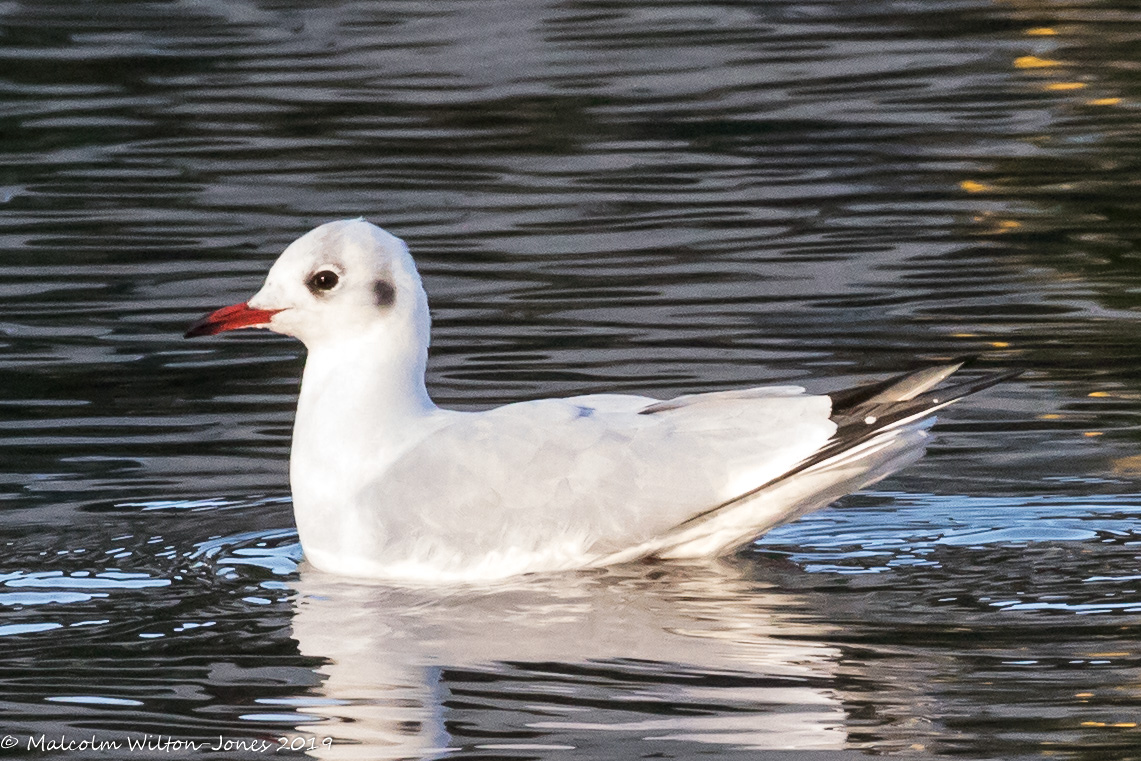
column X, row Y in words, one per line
column 384, row 293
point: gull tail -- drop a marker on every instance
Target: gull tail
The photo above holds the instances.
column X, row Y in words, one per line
column 865, row 413
column 881, row 428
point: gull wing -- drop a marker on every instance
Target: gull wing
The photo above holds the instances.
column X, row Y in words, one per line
column 572, row 480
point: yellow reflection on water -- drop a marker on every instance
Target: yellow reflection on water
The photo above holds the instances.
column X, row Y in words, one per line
column 1034, row 62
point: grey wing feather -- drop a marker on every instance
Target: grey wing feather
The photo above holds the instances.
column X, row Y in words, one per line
column 737, row 395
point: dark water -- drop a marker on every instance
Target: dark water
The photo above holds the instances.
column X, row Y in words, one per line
column 660, row 198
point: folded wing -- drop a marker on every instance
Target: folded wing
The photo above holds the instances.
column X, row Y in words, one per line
column 586, row 476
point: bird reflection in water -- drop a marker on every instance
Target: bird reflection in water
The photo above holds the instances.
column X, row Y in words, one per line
column 647, row 656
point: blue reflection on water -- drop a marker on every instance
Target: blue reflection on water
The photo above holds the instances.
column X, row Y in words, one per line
column 877, row 531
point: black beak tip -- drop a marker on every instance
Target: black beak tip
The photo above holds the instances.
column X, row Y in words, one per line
column 199, row 328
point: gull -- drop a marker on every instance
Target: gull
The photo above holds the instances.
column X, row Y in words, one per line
column 386, row 485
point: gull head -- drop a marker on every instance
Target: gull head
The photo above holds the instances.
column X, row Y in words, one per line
column 343, row 280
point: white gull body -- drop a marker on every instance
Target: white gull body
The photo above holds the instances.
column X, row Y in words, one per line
column 388, row 485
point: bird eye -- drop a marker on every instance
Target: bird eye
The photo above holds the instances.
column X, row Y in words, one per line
column 325, row 280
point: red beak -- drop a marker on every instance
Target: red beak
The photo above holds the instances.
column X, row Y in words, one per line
column 230, row 318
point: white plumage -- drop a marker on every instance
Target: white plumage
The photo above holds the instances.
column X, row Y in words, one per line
column 387, row 485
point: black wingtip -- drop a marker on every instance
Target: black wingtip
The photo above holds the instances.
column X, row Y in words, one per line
column 866, row 412
column 914, row 384
column 947, row 394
